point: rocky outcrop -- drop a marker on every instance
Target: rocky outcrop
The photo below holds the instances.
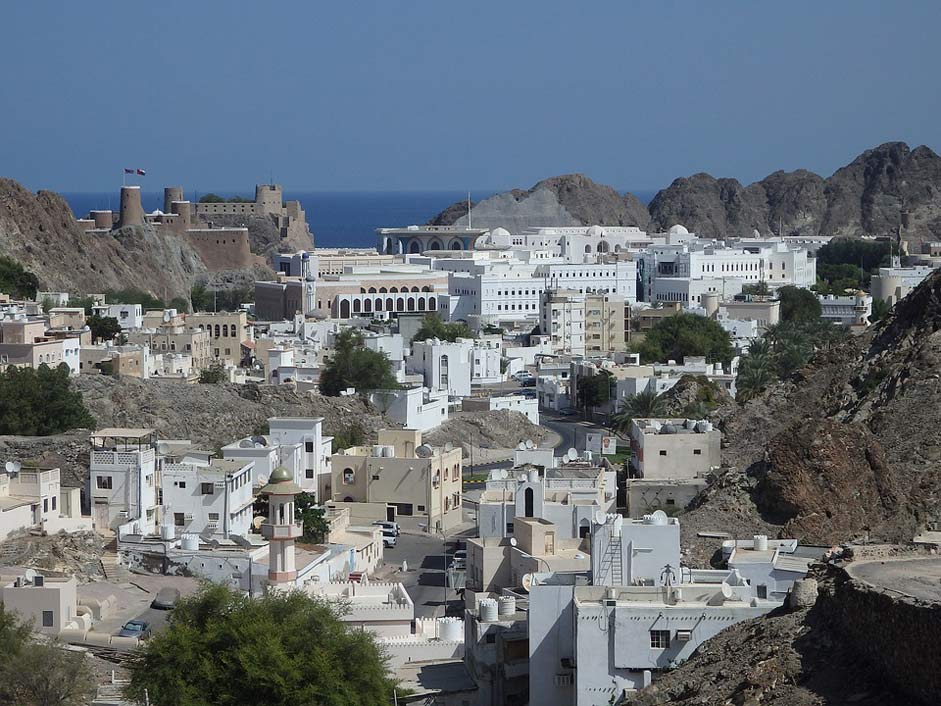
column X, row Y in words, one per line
column 847, row 447
column 214, row 415
column 568, row 200
column 39, row 231
column 866, row 197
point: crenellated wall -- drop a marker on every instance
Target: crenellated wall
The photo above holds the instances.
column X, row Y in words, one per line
column 222, row 248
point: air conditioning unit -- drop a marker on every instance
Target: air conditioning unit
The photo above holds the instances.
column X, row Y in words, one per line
column 684, row 635
column 562, row 680
column 610, row 603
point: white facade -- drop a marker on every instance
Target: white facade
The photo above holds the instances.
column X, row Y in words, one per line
column 445, row 367
column 301, row 440
column 211, row 499
column 129, row 316
column 122, row 479
column 413, row 408
column 851, row 310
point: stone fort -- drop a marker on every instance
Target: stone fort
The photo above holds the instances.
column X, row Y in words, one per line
column 221, row 247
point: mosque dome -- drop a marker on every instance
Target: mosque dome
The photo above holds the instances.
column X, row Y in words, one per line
column 280, row 475
column 595, row 232
column 678, row 229
column 499, row 233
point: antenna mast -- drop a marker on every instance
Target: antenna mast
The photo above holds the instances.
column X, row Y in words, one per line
column 469, row 222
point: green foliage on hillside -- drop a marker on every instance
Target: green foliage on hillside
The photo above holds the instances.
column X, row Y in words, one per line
column 354, row 365
column 848, row 263
column 434, row 327
column 132, row 295
column 676, row 337
column 205, row 299
column 15, row 280
column 283, row 649
column 798, row 304
column 34, row 673
column 103, row 328
column 215, row 374
column 215, row 198
column 40, row 401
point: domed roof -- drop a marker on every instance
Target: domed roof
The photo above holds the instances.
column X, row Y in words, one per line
column 280, row 475
column 595, row 232
column 281, row 482
column 678, row 229
column 499, row 233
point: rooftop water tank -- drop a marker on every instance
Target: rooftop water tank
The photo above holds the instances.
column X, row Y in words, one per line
column 451, row 629
column 761, row 542
column 167, row 532
column 506, row 606
column 189, row 542
column 488, row 610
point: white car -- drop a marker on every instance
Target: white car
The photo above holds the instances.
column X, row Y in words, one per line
column 392, row 527
column 388, row 539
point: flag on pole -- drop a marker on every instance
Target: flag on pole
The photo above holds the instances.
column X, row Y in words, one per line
column 141, row 172
column 128, row 171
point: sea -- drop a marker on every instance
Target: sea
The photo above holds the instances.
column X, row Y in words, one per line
column 336, row 218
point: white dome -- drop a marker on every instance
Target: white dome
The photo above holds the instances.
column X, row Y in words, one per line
column 595, row 232
column 678, row 229
column 499, row 233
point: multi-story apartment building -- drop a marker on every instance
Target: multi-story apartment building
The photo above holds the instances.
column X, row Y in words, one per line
column 228, row 333
column 123, row 479
column 562, row 319
column 207, row 496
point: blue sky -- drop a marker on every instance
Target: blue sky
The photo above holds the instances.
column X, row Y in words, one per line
column 431, row 94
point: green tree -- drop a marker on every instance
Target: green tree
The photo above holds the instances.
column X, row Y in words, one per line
column 314, row 518
column 15, row 280
column 593, row 390
column 84, row 301
column 103, row 328
column 354, row 365
column 676, row 337
column 211, row 198
column 434, row 327
column 133, row 295
column 352, row 434
column 798, row 304
column 758, row 288
column 880, row 310
column 40, row 402
column 863, row 255
column 36, row 673
column 640, row 406
column 180, row 304
column 215, row 374
column 285, row 649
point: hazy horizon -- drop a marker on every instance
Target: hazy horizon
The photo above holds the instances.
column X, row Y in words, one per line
column 427, row 96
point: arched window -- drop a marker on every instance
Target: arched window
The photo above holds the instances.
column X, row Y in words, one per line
column 432, row 304
column 411, row 303
column 367, row 306
column 415, row 247
column 603, row 246
column 400, row 304
column 372, row 290
column 349, row 476
column 379, row 304
column 421, row 303
column 382, row 290
column 529, row 503
column 345, row 309
column 587, row 249
column 393, row 290
column 427, row 288
column 414, row 289
column 435, row 245
column 225, row 330
column 390, row 306
column 443, row 374
column 456, row 245
column 217, row 331
column 356, row 306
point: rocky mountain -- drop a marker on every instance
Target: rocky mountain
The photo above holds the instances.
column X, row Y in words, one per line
column 866, row 197
column 39, row 231
column 845, row 449
column 568, row 200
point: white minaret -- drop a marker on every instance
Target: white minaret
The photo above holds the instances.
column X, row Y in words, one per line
column 280, row 529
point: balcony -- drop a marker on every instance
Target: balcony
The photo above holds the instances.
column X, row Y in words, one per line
column 292, row 531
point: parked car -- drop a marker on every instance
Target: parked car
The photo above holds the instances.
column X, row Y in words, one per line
column 135, row 628
column 388, row 526
column 523, row 375
column 166, row 598
column 388, row 539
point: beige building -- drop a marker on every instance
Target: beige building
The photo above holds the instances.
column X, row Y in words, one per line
column 673, row 448
column 336, row 261
column 607, row 323
column 51, row 603
column 120, row 361
column 228, row 332
column 364, row 291
column 766, row 311
column 283, row 298
column 176, row 337
column 401, row 471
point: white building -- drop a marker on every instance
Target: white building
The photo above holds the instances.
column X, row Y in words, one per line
column 673, row 448
column 895, row 282
column 122, row 479
column 512, row 403
column 770, row 566
column 641, row 613
column 413, row 407
column 33, row 498
column 445, row 367
column 207, row 496
column 129, row 316
column 852, row 310
column 562, row 319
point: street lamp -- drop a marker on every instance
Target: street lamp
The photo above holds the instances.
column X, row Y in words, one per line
column 513, row 543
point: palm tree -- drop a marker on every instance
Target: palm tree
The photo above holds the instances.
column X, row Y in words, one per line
column 640, row 406
column 753, row 377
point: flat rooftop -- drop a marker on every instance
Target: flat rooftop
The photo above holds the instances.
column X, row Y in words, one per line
column 122, row 433
column 918, row 578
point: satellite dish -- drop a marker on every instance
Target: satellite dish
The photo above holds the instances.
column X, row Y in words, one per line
column 571, row 454
column 246, row 444
column 448, row 446
column 513, row 541
column 424, row 451
column 259, row 441
column 523, row 477
column 530, row 444
column 504, row 474
column 600, row 517
column 726, row 591
column 521, row 446
column 166, row 315
column 258, row 522
column 527, row 582
column 163, row 448
column 13, row 467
